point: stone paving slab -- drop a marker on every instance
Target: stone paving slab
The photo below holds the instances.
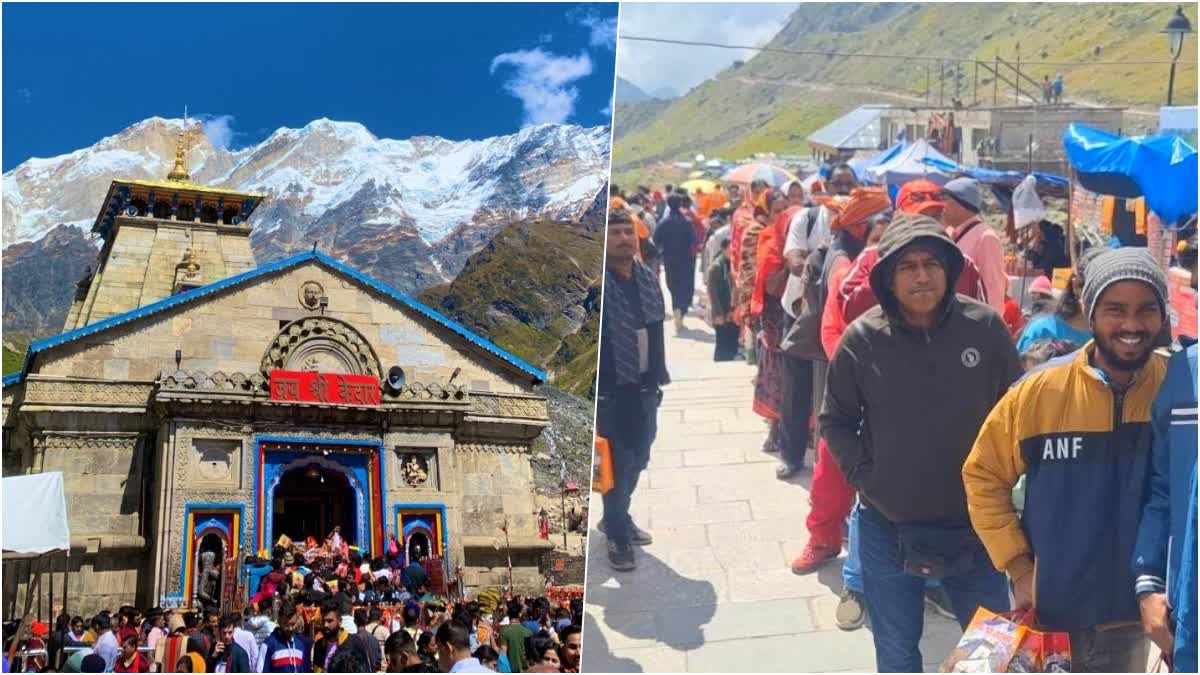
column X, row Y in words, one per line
column 714, row 592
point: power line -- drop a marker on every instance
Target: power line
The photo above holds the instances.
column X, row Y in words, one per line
column 905, row 57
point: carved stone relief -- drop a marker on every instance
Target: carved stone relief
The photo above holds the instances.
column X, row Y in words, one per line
column 321, row 343
column 418, row 467
column 218, row 461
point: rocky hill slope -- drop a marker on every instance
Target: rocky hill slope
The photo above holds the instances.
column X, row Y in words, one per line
column 535, row 290
column 774, row 100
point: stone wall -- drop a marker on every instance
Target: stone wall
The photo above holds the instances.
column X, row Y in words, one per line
column 102, row 478
column 489, row 567
column 145, row 253
column 201, row 331
column 104, row 579
column 573, row 568
column 497, row 481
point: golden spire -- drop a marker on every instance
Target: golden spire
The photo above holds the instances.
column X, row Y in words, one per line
column 179, row 172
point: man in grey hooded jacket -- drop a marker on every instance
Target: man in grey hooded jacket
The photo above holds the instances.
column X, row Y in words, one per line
column 909, row 387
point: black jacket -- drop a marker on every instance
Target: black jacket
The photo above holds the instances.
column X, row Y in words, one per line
column 240, row 662
column 675, row 236
column 903, row 406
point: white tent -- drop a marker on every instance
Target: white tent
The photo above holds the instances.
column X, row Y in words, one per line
column 910, row 164
column 35, row 514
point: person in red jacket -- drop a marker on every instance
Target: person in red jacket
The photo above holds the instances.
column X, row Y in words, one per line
column 918, row 197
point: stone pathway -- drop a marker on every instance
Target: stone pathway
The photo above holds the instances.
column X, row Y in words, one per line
column 714, row 591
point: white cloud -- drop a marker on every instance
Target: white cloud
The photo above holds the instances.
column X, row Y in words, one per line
column 677, row 68
column 219, row 129
column 603, row 29
column 542, row 81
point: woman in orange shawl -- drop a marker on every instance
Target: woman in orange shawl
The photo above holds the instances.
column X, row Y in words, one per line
column 767, row 314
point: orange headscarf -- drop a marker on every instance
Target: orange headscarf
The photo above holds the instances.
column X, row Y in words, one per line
column 639, row 228
column 198, row 663
column 864, row 202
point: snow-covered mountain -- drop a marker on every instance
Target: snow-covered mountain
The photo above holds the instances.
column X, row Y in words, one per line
column 408, row 212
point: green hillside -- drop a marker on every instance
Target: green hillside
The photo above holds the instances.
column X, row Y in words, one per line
column 13, row 360
column 774, row 100
column 534, row 290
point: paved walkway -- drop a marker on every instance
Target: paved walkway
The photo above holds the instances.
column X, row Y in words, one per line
column 714, row 591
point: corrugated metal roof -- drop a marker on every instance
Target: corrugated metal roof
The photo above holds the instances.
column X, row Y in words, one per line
column 858, row 129
column 277, row 266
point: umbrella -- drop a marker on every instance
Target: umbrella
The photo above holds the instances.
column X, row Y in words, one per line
column 699, row 184
column 746, row 173
column 1160, row 168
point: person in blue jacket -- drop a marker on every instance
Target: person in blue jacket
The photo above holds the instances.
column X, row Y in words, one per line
column 1167, row 608
column 1185, row 611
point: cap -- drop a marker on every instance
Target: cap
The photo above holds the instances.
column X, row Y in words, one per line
column 1042, row 285
column 1123, row 264
column 965, row 191
column 919, row 196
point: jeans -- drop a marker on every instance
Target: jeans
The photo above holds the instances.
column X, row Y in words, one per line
column 852, row 568
column 1116, row 650
column 895, row 600
column 628, row 418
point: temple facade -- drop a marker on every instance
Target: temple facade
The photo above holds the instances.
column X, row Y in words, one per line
column 198, row 402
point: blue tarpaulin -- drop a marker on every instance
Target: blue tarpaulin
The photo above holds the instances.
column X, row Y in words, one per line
column 910, row 161
column 1160, row 168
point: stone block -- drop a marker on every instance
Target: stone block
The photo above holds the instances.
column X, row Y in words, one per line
column 477, row 484
column 116, row 369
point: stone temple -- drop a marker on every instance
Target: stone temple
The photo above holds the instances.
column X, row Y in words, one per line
column 198, row 402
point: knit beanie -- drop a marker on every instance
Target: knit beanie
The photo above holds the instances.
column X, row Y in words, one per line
column 1123, row 264
column 1088, row 256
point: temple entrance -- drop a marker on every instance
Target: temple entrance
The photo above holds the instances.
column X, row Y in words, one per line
column 207, row 579
column 418, row 546
column 310, row 501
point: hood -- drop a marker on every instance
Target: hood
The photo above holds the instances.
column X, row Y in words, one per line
column 906, row 229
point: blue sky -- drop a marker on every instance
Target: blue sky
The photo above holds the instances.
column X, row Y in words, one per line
column 73, row 74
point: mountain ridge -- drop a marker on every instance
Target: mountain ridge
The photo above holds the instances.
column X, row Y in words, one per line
column 766, row 103
column 407, row 212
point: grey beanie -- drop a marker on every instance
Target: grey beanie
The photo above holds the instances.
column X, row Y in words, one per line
column 1123, row 264
column 1088, row 256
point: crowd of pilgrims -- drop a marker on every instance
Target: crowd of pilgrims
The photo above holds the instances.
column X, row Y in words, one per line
column 791, row 278
column 319, row 608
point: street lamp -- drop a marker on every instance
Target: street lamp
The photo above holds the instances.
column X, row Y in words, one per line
column 1177, row 28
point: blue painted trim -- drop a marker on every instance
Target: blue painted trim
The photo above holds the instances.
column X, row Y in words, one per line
column 428, row 507
column 259, row 440
column 187, row 510
column 539, row 376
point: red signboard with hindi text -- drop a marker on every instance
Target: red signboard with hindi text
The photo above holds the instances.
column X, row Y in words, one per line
column 333, row 388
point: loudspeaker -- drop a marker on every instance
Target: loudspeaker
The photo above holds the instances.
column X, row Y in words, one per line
column 395, row 378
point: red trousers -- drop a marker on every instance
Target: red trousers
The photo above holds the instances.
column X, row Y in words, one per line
column 830, row 500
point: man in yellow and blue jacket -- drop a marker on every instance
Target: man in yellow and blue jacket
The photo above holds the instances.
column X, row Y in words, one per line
column 1079, row 429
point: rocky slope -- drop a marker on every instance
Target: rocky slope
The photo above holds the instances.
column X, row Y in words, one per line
column 408, row 212
column 40, row 279
column 553, row 322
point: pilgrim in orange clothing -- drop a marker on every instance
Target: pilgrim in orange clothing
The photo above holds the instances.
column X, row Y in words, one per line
column 769, row 319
